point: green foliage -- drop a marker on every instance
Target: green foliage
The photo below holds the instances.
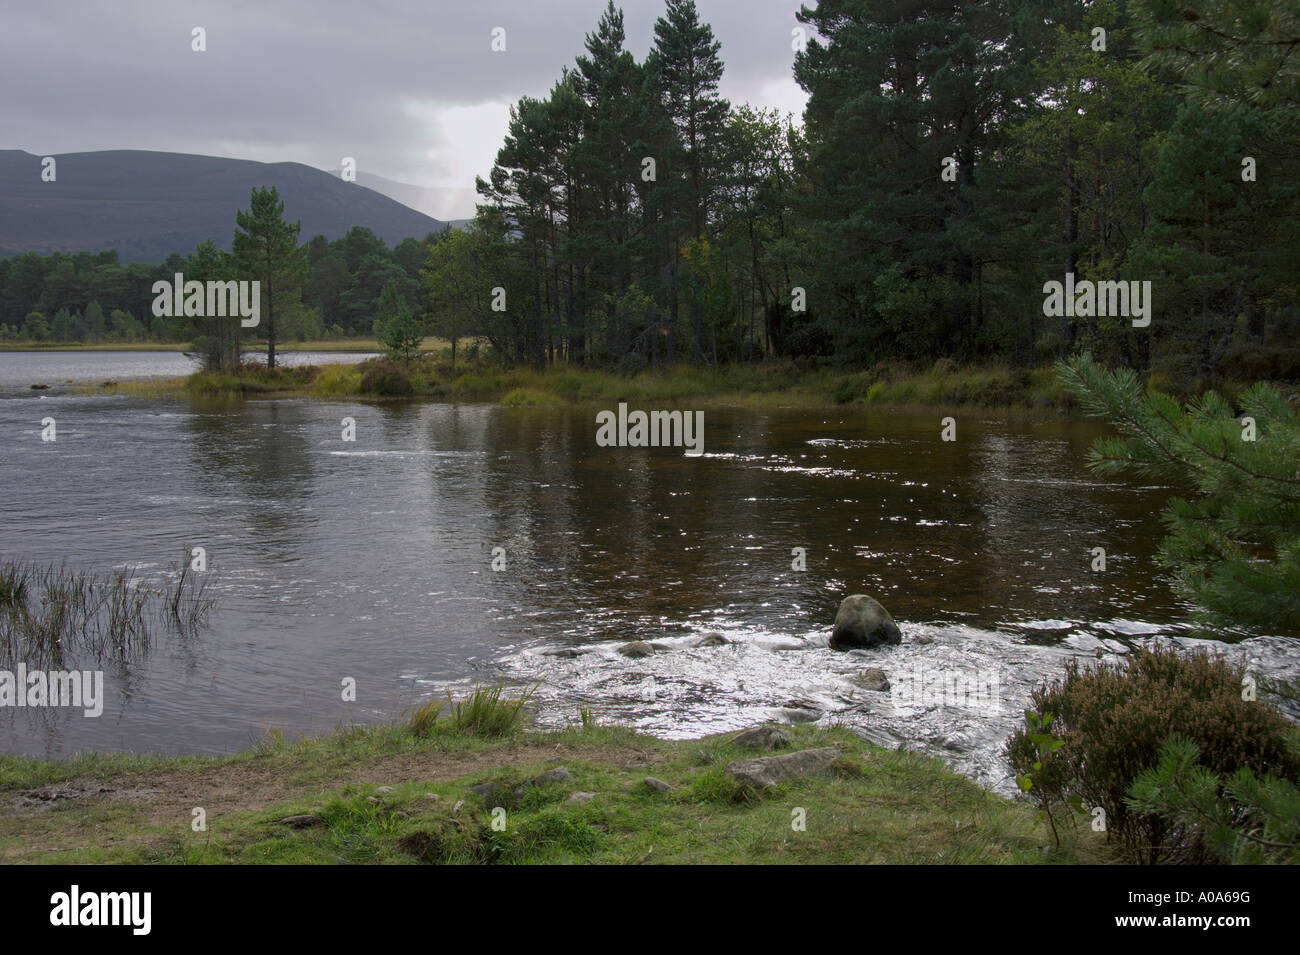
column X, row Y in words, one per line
column 488, row 712
column 485, row 712
column 1230, row 54
column 396, row 327
column 1240, row 820
column 1038, row 731
column 265, row 250
column 1234, row 547
column 337, row 381
column 423, row 718
column 1114, row 719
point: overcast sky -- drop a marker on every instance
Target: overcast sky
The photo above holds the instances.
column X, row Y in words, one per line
column 411, row 89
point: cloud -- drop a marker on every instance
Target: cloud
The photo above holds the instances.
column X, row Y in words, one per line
column 410, row 88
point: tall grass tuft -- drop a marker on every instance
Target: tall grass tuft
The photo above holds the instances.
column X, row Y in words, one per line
column 422, row 719
column 50, row 614
column 485, row 712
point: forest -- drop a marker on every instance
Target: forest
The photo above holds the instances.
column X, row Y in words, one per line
column 953, row 159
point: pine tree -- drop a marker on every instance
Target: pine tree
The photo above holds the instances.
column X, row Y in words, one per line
column 899, row 90
column 1242, row 819
column 396, row 326
column 266, row 250
column 215, row 339
column 1233, row 545
column 607, row 162
column 1231, row 54
column 686, row 70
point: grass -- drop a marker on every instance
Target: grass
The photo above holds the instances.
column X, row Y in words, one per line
column 400, row 794
column 50, row 615
column 890, row 385
column 484, row 712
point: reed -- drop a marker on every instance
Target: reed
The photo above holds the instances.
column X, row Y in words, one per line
column 51, row 615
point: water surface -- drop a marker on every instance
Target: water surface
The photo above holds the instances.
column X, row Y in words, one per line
column 20, row 370
column 373, row 560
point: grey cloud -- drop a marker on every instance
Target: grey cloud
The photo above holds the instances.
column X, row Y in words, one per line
column 411, row 89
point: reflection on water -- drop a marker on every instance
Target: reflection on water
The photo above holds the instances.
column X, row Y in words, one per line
column 372, row 560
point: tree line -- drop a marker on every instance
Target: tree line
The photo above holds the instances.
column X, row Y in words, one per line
column 953, row 158
column 93, row 298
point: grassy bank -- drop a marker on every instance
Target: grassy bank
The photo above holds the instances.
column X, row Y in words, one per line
column 888, row 385
column 391, row 795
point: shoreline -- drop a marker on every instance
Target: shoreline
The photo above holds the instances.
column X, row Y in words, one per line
column 888, row 387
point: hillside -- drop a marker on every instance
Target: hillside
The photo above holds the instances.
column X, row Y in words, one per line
column 147, row 205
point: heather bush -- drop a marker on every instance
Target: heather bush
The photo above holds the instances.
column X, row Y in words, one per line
column 1115, row 719
column 386, row 379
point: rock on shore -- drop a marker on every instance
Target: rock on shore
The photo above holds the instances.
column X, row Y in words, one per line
column 767, row 771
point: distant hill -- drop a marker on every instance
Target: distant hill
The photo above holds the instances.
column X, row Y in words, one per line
column 426, row 199
column 147, row 205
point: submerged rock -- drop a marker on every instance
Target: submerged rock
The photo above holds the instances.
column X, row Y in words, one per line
column 712, row 639
column 766, row 771
column 862, row 622
column 873, row 678
column 636, row 649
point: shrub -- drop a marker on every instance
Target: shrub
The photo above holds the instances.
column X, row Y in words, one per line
column 336, row 380
column 1116, row 718
column 850, row 389
column 386, row 379
column 1240, row 820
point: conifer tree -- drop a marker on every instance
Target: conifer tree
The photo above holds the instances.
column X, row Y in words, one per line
column 266, row 250
column 1233, row 543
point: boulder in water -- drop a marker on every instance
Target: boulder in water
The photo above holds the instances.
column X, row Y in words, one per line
column 862, row 622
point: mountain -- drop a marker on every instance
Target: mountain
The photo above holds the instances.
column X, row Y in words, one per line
column 427, row 199
column 147, row 205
